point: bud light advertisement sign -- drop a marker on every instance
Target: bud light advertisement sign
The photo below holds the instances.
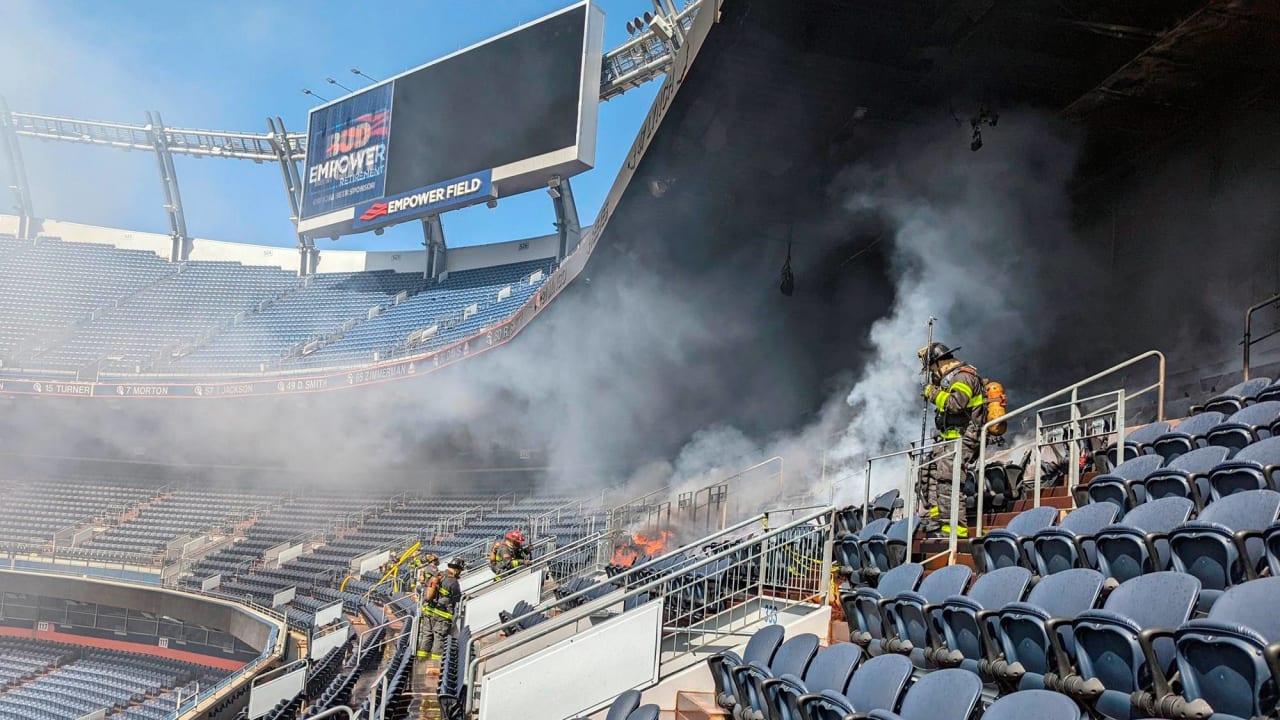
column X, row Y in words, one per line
column 347, row 152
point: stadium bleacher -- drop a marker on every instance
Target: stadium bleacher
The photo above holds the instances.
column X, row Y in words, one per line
column 70, row 307
column 55, row 681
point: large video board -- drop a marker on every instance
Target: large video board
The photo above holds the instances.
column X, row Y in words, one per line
column 495, row 119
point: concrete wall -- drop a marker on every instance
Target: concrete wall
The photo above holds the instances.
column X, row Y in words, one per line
column 479, row 256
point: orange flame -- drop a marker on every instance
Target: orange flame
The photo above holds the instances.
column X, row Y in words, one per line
column 652, row 545
column 640, row 545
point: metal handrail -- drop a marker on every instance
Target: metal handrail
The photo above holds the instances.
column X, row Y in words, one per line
column 620, row 577
column 913, row 471
column 1074, row 391
column 587, row 609
column 1248, row 329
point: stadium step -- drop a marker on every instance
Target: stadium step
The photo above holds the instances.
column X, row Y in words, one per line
column 426, row 683
column 698, row 706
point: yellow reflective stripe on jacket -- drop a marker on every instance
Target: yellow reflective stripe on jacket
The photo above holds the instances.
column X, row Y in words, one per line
column 940, row 400
column 960, row 531
column 438, row 612
column 950, row 434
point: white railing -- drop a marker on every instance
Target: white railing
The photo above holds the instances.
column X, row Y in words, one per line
column 753, row 579
column 916, row 463
column 1073, row 406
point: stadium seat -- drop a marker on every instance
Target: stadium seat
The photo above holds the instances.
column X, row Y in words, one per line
column 1187, row 476
column 1238, row 396
column 645, row 712
column 1245, row 427
column 1253, row 468
column 881, row 552
column 1122, row 486
column 793, row 658
column 907, row 614
column 1223, row 546
column 831, row 670
column 1138, row 544
column 1187, row 435
column 1037, row 704
column 862, row 606
column 958, row 640
column 1069, row 544
column 760, row 648
column 1007, row 546
column 1022, row 654
column 848, row 548
column 1110, row 663
column 1229, row 662
column 1137, row 442
column 940, row 695
column 878, row 684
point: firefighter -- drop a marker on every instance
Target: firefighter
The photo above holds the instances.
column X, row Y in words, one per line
column 508, row 554
column 428, row 568
column 438, row 602
column 958, row 394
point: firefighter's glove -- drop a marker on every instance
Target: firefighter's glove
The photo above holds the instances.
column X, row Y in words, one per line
column 930, row 392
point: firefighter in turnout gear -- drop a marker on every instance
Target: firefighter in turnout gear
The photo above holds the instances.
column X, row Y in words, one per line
column 438, row 602
column 428, row 568
column 508, row 554
column 958, row 395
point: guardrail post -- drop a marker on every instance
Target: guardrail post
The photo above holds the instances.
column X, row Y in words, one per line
column 909, row 506
column 1073, row 471
column 957, row 472
column 866, row 495
column 1039, row 458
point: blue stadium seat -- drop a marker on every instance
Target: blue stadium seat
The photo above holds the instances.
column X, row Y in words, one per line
column 878, row 684
column 831, row 671
column 1022, row 653
column 1223, row 546
column 1245, row 427
column 940, row 695
column 959, row 639
column 1253, row 468
column 1138, row 442
column 1238, row 396
column 1007, row 546
column 1186, row 477
column 1110, row 663
column 1138, row 544
column 907, row 614
column 792, row 658
column 1123, row 485
column 1070, row 543
column 1038, row 704
column 1228, row 661
column 760, row 648
column 862, row 606
column 1188, row 435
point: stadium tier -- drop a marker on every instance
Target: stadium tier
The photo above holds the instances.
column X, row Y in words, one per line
column 69, row 308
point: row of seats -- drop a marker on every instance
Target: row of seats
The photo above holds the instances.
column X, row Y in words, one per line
column 1119, row 660
column 1231, row 456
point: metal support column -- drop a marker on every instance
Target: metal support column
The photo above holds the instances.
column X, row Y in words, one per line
column 280, row 144
column 433, row 241
column 181, row 248
column 17, row 174
column 567, row 225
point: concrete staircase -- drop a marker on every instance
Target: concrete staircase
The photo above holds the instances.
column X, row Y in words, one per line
column 426, row 681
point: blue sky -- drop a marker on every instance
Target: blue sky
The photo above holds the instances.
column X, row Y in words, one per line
column 230, row 64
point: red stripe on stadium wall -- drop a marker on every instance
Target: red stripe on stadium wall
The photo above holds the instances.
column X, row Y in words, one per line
column 137, row 648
